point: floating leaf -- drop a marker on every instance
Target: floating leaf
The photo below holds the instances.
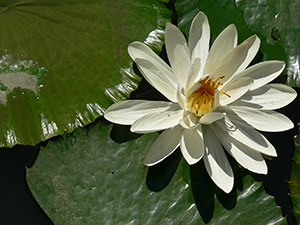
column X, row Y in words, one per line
column 83, row 46
column 86, row 178
column 278, row 22
column 222, row 13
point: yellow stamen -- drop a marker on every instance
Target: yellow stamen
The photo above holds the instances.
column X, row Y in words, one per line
column 202, row 100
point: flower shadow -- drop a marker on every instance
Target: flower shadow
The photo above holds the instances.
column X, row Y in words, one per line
column 160, row 175
column 204, row 190
column 276, row 181
column 122, row 133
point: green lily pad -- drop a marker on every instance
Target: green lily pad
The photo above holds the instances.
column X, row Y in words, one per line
column 278, row 22
column 86, row 178
column 222, row 13
column 83, row 47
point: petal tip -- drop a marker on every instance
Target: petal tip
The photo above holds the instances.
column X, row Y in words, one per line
column 192, row 161
column 232, row 26
column 199, row 15
column 169, row 26
column 149, row 162
column 228, row 189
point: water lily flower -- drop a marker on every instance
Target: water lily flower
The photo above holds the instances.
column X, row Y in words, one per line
column 216, row 101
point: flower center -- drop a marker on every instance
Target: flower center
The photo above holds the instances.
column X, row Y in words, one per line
column 202, row 100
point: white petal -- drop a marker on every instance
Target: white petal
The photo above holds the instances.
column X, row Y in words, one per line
column 217, row 99
column 254, row 43
column 244, row 155
column 216, row 162
column 269, row 97
column 262, row 73
column 192, row 145
column 226, row 40
column 209, row 118
column 193, row 74
column 231, row 62
column 197, row 85
column 189, row 120
column 193, row 88
column 127, row 112
column 235, row 89
column 178, row 53
column 154, row 69
column 199, row 37
column 163, row 146
column 262, row 120
column 181, row 99
column 159, row 120
column 247, row 135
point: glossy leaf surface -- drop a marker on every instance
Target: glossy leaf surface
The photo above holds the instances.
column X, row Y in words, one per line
column 86, row 178
column 83, row 46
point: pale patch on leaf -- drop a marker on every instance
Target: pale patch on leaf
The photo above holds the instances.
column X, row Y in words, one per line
column 17, row 79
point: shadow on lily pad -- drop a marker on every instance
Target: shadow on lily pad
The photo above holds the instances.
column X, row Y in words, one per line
column 204, row 190
column 279, row 168
column 122, row 133
column 160, row 175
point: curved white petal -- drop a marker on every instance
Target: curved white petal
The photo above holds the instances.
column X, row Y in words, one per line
column 235, row 89
column 216, row 162
column 193, row 88
column 254, row 43
column 178, row 53
column 189, row 120
column 199, row 37
column 209, row 118
column 217, row 99
column 268, row 97
column 158, row 121
column 226, row 40
column 192, row 145
column 247, row 135
column 154, row 69
column 243, row 154
column 193, row 74
column 262, row 120
column 128, row 111
column 181, row 99
column 163, row 146
column 231, row 62
column 262, row 73
column 197, row 85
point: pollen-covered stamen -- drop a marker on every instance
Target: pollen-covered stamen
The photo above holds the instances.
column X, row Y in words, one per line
column 202, row 100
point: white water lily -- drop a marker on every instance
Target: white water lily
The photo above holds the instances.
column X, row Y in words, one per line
column 216, row 102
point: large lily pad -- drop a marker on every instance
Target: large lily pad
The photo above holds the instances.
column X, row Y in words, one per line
column 83, row 46
column 86, row 178
column 278, row 22
column 222, row 13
